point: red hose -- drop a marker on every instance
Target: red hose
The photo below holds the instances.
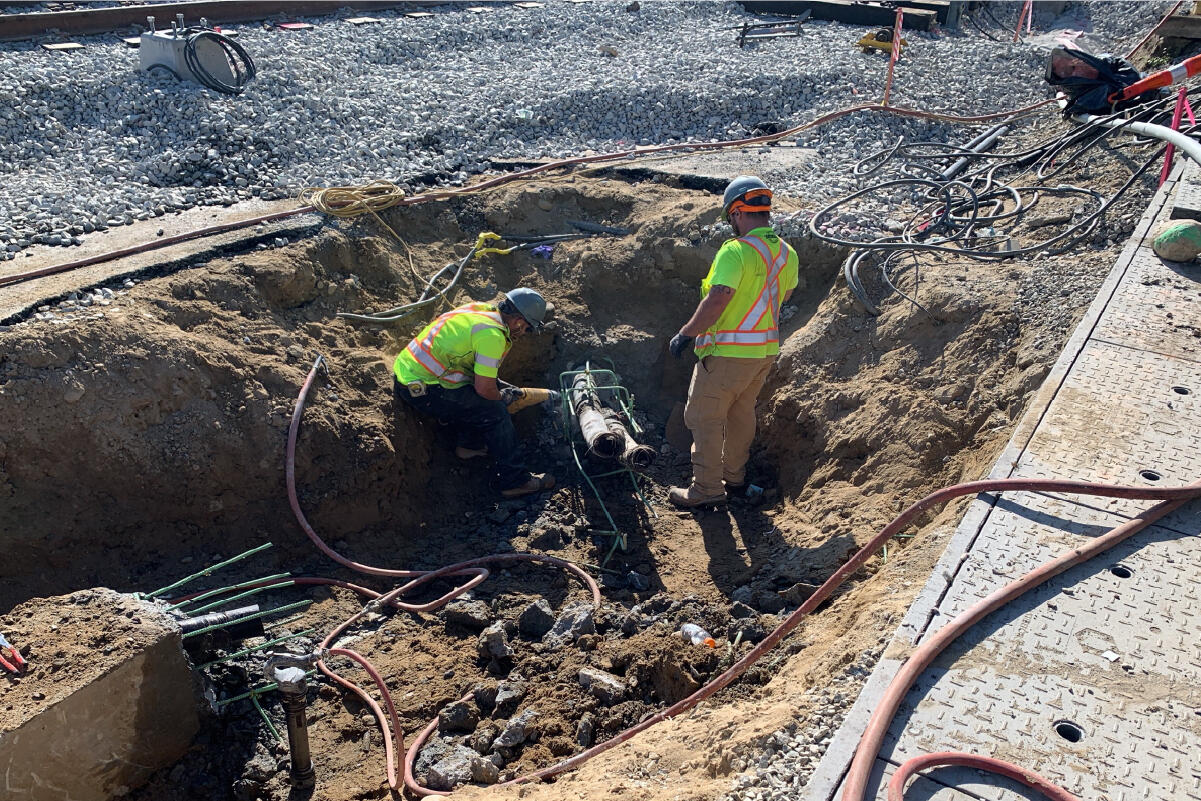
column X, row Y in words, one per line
column 920, row 659
column 896, row 787
column 410, row 780
column 1178, row 495
column 472, row 567
column 379, row 715
column 1174, row 495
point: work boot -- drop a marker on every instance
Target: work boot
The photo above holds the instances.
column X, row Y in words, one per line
column 470, row 453
column 690, row 498
column 535, row 483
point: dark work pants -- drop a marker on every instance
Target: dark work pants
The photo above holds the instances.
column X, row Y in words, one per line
column 477, row 422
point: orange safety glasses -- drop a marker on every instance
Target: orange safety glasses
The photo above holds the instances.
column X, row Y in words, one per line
column 753, row 201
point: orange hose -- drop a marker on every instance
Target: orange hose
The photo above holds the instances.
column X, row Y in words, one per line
column 472, row 567
column 920, row 659
column 896, row 787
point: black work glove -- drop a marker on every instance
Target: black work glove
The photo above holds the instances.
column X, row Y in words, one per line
column 509, row 394
column 680, row 343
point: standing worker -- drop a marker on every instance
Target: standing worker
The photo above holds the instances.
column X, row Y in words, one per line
column 450, row 372
column 736, row 330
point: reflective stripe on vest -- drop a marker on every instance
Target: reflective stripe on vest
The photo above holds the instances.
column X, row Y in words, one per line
column 424, row 354
column 767, row 303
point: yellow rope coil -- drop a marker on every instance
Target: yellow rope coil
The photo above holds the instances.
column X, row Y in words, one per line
column 351, row 201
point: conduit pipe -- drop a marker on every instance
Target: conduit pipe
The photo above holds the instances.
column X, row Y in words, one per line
column 1189, row 145
column 594, row 425
column 633, row 455
column 978, row 145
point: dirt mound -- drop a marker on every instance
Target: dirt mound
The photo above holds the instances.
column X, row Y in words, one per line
column 151, row 443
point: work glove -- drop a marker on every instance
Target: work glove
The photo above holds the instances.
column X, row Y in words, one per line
column 509, row 394
column 680, row 343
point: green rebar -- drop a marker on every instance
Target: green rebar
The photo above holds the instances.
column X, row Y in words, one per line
column 283, row 622
column 239, row 596
column 209, row 570
column 255, row 616
column 254, row 699
column 246, row 651
column 206, row 595
column 265, row 688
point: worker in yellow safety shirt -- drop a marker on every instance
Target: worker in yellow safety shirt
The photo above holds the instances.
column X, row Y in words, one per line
column 450, row 372
column 735, row 332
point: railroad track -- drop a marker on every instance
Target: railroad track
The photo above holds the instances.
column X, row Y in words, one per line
column 41, row 21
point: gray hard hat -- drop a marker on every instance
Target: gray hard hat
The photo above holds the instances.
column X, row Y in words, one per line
column 750, row 190
column 529, row 304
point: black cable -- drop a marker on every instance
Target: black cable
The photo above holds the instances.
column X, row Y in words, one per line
column 976, row 25
column 237, row 57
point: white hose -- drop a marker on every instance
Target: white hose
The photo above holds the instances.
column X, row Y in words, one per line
column 1190, row 146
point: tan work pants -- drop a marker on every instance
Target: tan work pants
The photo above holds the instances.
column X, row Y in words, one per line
column 721, row 416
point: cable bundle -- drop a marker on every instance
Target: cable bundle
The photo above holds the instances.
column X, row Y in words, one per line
column 959, row 214
column 239, row 60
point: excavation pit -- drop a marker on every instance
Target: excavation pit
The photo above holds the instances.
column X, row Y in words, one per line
column 153, row 444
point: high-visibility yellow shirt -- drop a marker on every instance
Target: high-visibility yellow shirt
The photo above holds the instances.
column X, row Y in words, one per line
column 455, row 347
column 761, row 268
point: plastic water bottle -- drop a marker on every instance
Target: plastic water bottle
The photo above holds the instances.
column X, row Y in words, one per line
column 696, row 635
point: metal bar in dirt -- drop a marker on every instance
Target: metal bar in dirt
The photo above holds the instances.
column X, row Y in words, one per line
column 206, row 595
column 210, row 570
column 254, row 699
column 265, row 688
column 255, row 616
column 252, row 649
column 239, row 596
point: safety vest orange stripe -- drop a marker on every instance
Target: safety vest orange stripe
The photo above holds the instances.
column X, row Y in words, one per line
column 748, row 333
column 423, row 353
column 766, row 302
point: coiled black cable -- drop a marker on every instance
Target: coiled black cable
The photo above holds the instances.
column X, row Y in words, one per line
column 951, row 221
column 239, row 61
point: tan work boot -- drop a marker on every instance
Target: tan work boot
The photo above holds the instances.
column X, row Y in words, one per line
column 535, row 483
column 470, row 453
column 689, row 497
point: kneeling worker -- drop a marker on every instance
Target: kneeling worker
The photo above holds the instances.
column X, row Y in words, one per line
column 449, row 372
column 736, row 327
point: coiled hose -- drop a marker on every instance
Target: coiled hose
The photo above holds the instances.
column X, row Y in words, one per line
column 239, row 61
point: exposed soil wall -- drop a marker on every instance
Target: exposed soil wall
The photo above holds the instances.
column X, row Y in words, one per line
column 151, row 443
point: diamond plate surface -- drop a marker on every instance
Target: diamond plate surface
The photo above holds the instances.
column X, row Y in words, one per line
column 1113, row 646
column 1157, row 307
column 1115, row 656
column 1187, row 204
column 1116, row 416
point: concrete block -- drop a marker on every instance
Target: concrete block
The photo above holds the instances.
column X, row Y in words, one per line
column 107, row 698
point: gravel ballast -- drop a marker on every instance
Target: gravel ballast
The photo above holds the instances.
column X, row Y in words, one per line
column 88, row 141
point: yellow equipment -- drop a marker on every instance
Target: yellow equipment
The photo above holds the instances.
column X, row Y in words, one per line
column 531, row 395
column 879, row 40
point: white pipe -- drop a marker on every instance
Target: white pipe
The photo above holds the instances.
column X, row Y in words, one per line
column 1190, row 146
